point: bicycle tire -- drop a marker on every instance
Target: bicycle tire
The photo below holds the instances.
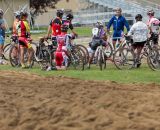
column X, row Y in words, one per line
column 77, row 59
column 6, row 50
column 86, row 53
column 124, row 59
column 153, row 59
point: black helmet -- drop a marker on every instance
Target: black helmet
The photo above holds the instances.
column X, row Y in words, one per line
column 64, row 28
column 60, row 13
column 23, row 13
column 138, row 17
column 151, row 12
column 69, row 16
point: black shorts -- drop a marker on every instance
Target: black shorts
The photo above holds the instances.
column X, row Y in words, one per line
column 138, row 44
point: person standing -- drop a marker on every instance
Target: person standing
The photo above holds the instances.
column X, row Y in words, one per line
column 139, row 32
column 55, row 27
column 153, row 26
column 118, row 21
column 2, row 36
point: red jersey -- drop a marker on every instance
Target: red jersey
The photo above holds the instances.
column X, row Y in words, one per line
column 56, row 26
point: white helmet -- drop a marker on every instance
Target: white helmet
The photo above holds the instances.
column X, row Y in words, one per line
column 17, row 13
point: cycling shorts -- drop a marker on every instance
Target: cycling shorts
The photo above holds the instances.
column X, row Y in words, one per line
column 23, row 41
column 117, row 35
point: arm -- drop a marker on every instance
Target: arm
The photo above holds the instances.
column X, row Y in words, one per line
column 131, row 32
column 49, row 30
column 126, row 25
column 72, row 29
column 110, row 23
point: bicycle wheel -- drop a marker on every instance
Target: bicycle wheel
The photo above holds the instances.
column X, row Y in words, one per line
column 124, row 59
column 45, row 57
column 108, row 50
column 101, row 59
column 14, row 56
column 6, row 50
column 77, row 59
column 85, row 51
column 153, row 59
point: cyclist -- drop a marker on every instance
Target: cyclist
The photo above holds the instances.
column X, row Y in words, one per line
column 63, row 41
column 153, row 26
column 118, row 22
column 68, row 22
column 97, row 40
column 139, row 31
column 15, row 24
column 55, row 26
column 24, row 38
column 2, row 35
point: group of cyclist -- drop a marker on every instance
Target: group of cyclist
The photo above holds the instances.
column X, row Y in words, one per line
column 58, row 29
column 139, row 33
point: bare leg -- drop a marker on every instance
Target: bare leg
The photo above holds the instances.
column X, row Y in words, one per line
column 22, row 56
column 30, row 55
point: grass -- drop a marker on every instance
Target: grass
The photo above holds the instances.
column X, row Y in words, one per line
column 142, row 75
column 82, row 32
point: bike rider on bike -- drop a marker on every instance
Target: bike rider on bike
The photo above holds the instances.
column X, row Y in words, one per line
column 64, row 41
column 24, row 39
column 68, row 22
column 55, row 27
column 2, row 36
column 139, row 33
column 118, row 21
column 153, row 26
column 97, row 40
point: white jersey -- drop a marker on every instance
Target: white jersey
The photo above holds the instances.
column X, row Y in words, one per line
column 139, row 31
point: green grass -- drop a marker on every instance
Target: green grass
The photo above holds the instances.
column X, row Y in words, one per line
column 142, row 75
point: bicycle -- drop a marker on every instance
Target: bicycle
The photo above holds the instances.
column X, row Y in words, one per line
column 14, row 55
column 124, row 57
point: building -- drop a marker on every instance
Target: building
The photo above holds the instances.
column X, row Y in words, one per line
column 9, row 7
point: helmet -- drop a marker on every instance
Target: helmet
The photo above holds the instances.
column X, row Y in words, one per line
column 1, row 12
column 138, row 17
column 151, row 12
column 99, row 25
column 23, row 13
column 64, row 28
column 17, row 14
column 60, row 13
column 69, row 16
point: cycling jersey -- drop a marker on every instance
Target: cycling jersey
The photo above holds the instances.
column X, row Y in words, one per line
column 68, row 23
column 2, row 31
column 56, row 26
column 118, row 23
column 24, row 33
column 153, row 24
column 139, row 31
column 23, row 28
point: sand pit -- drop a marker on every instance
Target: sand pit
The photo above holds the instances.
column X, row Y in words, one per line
column 30, row 102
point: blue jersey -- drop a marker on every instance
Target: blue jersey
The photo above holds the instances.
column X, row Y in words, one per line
column 2, row 31
column 118, row 23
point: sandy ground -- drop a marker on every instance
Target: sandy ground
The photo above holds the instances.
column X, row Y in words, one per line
column 30, row 102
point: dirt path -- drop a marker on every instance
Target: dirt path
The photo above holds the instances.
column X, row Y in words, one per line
column 30, row 102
